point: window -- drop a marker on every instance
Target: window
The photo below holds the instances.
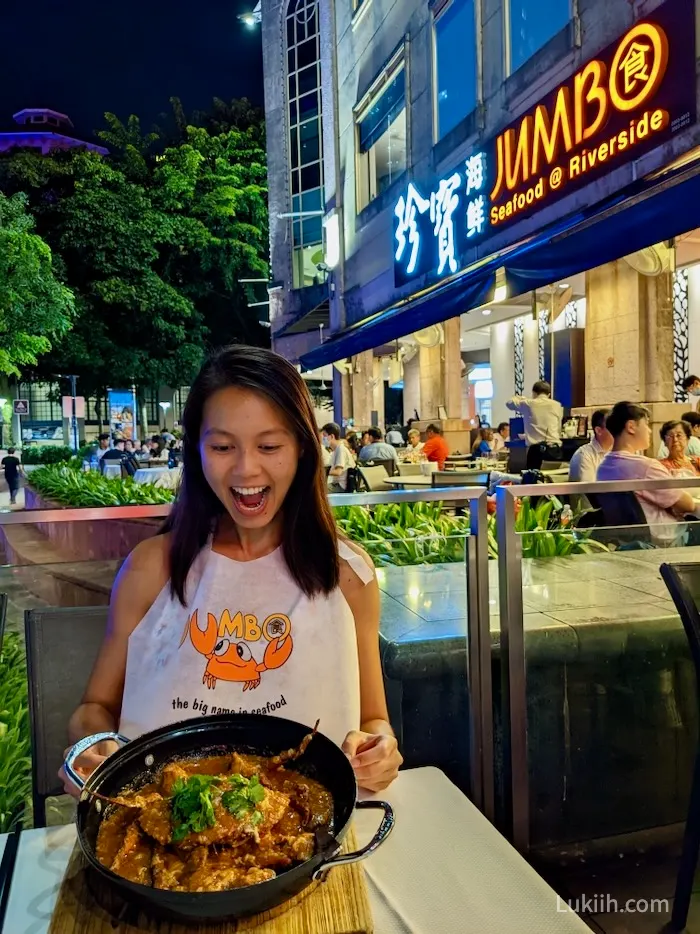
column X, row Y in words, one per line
column 455, row 63
column 305, row 141
column 44, row 401
column 531, row 24
column 382, row 137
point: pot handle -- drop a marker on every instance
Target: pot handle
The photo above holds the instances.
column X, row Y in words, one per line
column 82, row 746
column 385, row 828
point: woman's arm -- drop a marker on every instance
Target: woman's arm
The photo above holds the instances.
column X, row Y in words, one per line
column 142, row 577
column 373, row 750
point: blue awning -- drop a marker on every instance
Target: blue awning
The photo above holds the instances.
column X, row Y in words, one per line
column 652, row 210
column 442, row 303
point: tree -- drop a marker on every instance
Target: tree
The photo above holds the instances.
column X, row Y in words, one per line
column 154, row 247
column 35, row 307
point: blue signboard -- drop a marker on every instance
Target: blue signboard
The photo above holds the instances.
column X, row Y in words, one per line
column 636, row 94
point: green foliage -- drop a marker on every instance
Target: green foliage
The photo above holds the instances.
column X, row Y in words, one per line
column 422, row 533
column 152, row 245
column 192, row 806
column 547, row 530
column 35, row 308
column 71, row 487
column 15, row 761
column 406, row 533
column 46, row 454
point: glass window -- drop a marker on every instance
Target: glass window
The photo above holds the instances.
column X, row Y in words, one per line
column 455, row 63
column 532, row 25
column 382, row 143
column 305, row 147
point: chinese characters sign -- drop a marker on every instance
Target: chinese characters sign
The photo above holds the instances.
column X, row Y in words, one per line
column 635, row 95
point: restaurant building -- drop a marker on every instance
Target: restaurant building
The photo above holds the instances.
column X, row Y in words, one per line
column 468, row 195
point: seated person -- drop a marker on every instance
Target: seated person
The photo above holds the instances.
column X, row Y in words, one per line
column 664, row 510
column 691, row 385
column 676, row 437
column 482, row 445
column 588, row 458
column 500, row 436
column 435, row 448
column 394, row 436
column 341, row 458
column 118, row 455
column 693, row 419
column 413, row 453
column 376, row 449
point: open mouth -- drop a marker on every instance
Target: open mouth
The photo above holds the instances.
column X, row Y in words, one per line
column 250, row 501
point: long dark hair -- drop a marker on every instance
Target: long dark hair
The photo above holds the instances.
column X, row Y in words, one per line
column 309, row 543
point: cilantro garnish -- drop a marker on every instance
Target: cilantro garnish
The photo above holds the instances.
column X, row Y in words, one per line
column 191, row 805
column 243, row 798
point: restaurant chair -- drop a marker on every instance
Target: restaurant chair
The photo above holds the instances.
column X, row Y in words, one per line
column 460, row 478
column 373, row 478
column 553, row 465
column 410, row 470
column 3, row 616
column 683, row 582
column 622, row 520
column 62, row 645
column 388, row 465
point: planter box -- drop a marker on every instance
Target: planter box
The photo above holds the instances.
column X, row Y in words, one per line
column 91, row 541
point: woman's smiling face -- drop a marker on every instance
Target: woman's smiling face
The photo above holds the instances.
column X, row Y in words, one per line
column 249, row 453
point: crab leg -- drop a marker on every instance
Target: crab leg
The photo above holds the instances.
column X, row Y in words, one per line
column 276, row 762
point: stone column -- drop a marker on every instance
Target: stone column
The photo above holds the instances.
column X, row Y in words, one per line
column 502, row 358
column 362, row 391
column 431, row 388
column 629, row 335
column 452, row 369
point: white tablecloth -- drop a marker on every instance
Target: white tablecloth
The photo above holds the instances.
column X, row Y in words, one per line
column 444, row 869
column 160, row 476
column 112, row 470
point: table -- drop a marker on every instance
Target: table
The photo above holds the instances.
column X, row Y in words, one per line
column 159, row 476
column 470, row 478
column 445, row 868
column 112, row 470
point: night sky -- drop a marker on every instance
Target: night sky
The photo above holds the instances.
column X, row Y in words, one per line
column 84, row 57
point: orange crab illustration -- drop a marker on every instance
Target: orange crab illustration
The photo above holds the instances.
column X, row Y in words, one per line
column 228, row 660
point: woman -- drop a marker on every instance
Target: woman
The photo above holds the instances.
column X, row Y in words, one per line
column 413, row 452
column 676, row 435
column 482, row 444
column 248, row 600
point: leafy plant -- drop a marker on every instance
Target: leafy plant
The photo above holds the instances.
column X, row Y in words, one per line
column 71, row 487
column 406, row 533
column 15, row 761
column 47, row 454
column 191, row 805
column 547, row 530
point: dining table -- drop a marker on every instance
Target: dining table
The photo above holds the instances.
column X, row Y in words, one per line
column 470, row 478
column 444, row 868
column 159, row 476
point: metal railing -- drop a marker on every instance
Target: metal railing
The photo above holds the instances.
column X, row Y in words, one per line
column 478, row 669
column 513, row 667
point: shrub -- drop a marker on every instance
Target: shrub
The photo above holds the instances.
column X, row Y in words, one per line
column 72, row 487
column 46, row 454
column 15, row 761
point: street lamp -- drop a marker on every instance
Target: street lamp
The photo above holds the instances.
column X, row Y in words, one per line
column 165, row 406
column 253, row 18
column 3, row 403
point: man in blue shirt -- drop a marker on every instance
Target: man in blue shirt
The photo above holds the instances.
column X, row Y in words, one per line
column 377, row 450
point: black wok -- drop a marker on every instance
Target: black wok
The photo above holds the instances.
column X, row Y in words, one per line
column 137, row 762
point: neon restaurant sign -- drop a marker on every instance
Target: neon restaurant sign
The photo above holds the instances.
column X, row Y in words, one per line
column 634, row 96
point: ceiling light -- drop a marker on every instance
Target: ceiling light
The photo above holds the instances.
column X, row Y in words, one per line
column 487, row 311
column 563, row 285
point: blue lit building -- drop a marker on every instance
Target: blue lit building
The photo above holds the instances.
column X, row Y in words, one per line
column 415, row 149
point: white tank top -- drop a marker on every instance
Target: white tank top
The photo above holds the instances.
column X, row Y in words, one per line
column 249, row 641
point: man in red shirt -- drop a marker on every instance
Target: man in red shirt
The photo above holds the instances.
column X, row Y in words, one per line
column 435, row 448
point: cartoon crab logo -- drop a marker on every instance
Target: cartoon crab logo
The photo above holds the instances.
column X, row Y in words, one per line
column 229, row 660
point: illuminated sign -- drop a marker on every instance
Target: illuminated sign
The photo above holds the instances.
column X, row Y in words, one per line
column 635, row 95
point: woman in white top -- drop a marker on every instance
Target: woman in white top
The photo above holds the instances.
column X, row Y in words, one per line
column 248, row 601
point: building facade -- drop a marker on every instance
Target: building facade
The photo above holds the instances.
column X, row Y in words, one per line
column 411, row 125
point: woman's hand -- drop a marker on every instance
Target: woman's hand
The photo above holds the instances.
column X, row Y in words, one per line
column 375, row 758
column 85, row 765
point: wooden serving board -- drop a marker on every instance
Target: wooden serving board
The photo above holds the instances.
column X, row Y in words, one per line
column 339, row 905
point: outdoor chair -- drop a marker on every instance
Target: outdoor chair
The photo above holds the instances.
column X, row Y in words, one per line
column 388, row 465
column 410, row 470
column 62, row 645
column 621, row 520
column 373, row 478
column 683, row 582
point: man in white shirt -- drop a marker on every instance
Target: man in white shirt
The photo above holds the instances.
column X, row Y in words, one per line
column 394, row 436
column 586, row 461
column 341, row 459
column 664, row 510
column 691, row 385
column 542, row 417
column 693, row 419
